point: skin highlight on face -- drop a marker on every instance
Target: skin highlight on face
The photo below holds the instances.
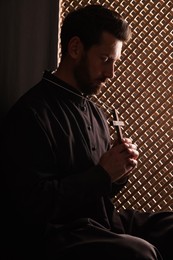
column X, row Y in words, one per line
column 96, row 65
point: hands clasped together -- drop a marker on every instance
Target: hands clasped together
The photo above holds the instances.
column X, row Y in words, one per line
column 120, row 159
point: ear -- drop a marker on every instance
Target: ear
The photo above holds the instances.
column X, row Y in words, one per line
column 75, row 47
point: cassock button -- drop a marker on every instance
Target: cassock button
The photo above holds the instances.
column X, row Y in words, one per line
column 93, row 148
column 89, row 127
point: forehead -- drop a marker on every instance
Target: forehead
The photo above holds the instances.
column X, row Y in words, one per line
column 109, row 45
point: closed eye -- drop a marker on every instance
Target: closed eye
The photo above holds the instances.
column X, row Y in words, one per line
column 104, row 58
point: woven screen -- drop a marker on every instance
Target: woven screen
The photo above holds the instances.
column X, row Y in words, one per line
column 141, row 91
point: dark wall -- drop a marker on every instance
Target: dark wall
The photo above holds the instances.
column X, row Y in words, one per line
column 28, row 45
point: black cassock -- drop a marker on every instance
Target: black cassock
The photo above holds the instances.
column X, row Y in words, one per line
column 56, row 198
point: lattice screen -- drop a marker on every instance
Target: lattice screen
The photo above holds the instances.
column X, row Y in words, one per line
column 142, row 92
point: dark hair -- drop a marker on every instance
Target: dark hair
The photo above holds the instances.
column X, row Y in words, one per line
column 89, row 22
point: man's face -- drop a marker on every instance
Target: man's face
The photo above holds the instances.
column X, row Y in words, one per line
column 97, row 64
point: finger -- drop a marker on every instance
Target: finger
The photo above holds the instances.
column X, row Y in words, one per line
column 133, row 146
column 130, row 148
column 134, row 153
column 127, row 140
column 133, row 162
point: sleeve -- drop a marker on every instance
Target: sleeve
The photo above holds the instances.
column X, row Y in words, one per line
column 35, row 187
column 118, row 186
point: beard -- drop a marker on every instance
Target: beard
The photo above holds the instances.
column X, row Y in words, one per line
column 83, row 79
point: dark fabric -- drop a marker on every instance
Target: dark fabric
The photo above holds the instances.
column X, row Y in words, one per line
column 57, row 199
column 86, row 238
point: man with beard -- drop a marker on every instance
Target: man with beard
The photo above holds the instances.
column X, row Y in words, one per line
column 60, row 169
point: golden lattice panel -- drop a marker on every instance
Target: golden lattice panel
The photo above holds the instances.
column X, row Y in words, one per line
column 142, row 92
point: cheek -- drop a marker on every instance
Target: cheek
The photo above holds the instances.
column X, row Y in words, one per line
column 95, row 69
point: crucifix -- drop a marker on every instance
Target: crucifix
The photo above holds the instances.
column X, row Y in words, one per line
column 118, row 124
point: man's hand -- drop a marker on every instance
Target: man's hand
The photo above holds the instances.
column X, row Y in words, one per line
column 120, row 159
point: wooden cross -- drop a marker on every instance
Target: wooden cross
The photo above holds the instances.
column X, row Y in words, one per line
column 117, row 125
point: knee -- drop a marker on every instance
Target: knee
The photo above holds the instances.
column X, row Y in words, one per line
column 140, row 249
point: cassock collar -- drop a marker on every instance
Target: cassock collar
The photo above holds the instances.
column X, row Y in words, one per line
column 65, row 89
